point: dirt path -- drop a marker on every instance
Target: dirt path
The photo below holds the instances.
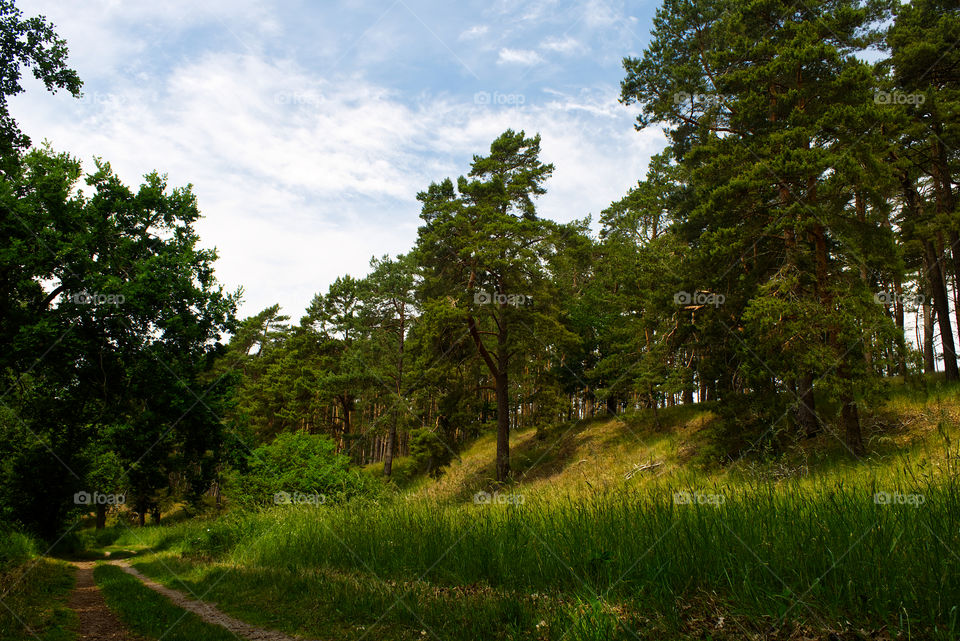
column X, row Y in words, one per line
column 95, row 620
column 207, row 612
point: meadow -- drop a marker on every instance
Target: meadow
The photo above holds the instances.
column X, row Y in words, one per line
column 809, row 543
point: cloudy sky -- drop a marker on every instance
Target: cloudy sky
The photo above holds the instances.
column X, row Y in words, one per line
column 307, row 128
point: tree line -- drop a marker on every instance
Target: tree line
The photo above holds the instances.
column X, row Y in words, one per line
column 770, row 262
column 803, row 211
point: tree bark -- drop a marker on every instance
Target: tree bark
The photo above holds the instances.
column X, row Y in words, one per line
column 929, row 363
column 503, row 427
column 898, row 319
column 955, row 259
column 941, row 304
column 346, row 402
column 851, row 426
column 498, row 369
column 391, row 448
column 806, row 414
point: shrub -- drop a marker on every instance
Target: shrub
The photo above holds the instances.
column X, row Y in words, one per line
column 15, row 548
column 430, row 454
column 297, row 464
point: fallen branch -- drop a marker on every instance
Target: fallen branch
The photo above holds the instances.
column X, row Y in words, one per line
column 640, row 468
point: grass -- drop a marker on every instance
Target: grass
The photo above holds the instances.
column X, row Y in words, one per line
column 797, row 546
column 33, row 592
column 151, row 614
column 815, row 556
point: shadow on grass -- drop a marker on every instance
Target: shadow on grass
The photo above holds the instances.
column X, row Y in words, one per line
column 547, row 453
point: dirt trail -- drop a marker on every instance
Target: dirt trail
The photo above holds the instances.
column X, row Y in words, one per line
column 208, row 612
column 96, row 622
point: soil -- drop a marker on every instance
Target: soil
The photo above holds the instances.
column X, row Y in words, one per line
column 208, row 612
column 95, row 621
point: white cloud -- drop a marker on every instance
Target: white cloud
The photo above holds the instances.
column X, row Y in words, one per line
column 302, row 179
column 599, row 13
column 565, row 45
column 525, row 57
column 106, row 37
column 529, row 11
column 303, row 175
column 474, row 32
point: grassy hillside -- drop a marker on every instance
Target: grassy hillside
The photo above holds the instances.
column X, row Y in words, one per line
column 806, row 544
column 912, row 427
column 33, row 592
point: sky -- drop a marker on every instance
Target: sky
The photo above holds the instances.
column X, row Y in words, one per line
column 307, row 128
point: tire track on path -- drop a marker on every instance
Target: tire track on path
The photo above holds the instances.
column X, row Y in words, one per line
column 206, row 611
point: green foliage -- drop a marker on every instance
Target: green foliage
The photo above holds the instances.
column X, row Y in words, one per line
column 753, row 265
column 15, row 548
column 572, row 561
column 301, row 463
column 429, row 452
column 34, row 44
column 35, row 601
column 118, row 284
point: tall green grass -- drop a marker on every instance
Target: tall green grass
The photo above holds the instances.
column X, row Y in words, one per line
column 152, row 614
column 800, row 541
column 808, row 551
column 15, row 548
column 33, row 591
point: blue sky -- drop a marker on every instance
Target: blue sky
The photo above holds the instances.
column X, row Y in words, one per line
column 307, row 128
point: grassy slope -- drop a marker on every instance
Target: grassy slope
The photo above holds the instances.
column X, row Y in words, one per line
column 33, row 592
column 912, row 428
column 593, row 555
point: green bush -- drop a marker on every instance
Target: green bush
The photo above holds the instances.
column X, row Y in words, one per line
column 297, row 467
column 430, row 454
column 15, row 548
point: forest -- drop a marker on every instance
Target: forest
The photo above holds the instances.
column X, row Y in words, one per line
column 788, row 264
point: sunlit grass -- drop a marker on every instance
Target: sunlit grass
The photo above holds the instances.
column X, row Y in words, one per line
column 149, row 613
column 812, row 538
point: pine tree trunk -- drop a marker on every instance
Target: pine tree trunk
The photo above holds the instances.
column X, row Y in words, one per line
column 942, row 307
column 390, row 449
column 851, row 426
column 955, row 259
column 503, row 427
column 898, row 319
column 806, row 414
column 929, row 363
